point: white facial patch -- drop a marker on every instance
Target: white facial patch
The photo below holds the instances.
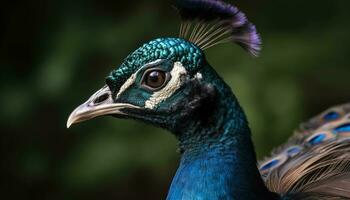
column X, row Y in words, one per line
column 127, row 84
column 132, row 78
column 174, row 84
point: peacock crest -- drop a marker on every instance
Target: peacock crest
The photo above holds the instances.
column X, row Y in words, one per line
column 209, row 23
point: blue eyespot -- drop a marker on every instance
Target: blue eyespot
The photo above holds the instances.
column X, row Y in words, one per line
column 317, row 139
column 269, row 165
column 343, row 128
column 331, row 116
column 293, row 151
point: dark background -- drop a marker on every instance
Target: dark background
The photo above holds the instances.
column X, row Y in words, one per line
column 55, row 54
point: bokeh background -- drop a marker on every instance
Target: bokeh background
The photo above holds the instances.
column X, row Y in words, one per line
column 55, row 54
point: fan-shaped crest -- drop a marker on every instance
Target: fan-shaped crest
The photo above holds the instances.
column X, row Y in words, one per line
column 207, row 23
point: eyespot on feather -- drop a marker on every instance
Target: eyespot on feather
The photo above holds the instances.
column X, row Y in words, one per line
column 273, row 163
column 294, row 150
column 319, row 138
column 332, row 115
column 343, row 128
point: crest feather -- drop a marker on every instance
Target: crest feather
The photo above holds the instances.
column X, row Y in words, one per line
column 207, row 23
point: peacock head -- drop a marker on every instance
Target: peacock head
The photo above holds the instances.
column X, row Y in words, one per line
column 167, row 81
column 160, row 83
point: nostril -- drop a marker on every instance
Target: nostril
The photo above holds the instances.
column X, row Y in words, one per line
column 101, row 98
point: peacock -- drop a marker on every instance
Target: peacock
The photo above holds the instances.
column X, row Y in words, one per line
column 168, row 82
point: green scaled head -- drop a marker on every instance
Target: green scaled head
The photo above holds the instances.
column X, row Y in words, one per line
column 160, row 52
column 153, row 82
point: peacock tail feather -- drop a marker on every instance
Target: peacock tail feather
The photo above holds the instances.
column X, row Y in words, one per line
column 315, row 160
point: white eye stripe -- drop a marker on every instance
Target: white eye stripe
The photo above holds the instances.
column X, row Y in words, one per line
column 127, row 84
column 158, row 61
column 132, row 78
column 174, row 84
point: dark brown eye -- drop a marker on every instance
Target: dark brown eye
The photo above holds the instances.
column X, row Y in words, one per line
column 155, row 79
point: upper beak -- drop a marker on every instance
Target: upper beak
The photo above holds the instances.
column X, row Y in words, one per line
column 99, row 104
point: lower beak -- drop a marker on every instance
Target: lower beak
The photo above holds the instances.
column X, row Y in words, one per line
column 99, row 104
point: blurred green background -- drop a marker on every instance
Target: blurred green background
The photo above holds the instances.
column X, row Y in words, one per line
column 55, row 54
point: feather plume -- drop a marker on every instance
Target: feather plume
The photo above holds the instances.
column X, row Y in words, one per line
column 319, row 167
column 207, row 23
column 323, row 170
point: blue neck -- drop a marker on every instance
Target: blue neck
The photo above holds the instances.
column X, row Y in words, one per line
column 218, row 160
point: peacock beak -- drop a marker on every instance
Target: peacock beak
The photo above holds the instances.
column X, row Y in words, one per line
column 99, row 104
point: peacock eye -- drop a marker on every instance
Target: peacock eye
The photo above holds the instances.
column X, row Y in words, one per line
column 154, row 79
